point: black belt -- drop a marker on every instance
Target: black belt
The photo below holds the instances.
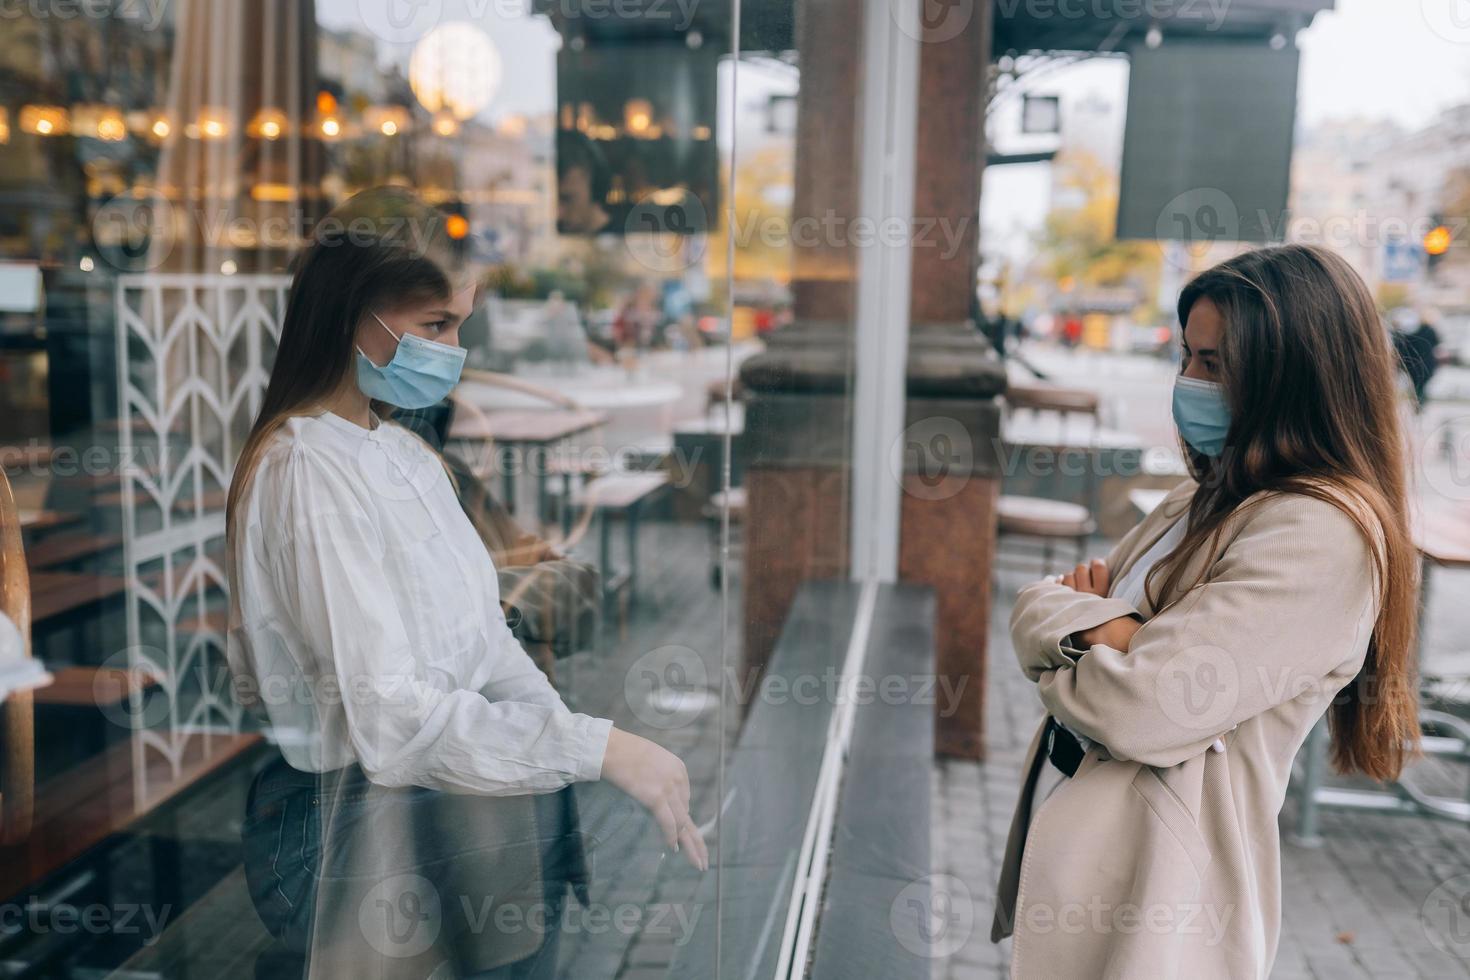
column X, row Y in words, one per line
column 1062, row 748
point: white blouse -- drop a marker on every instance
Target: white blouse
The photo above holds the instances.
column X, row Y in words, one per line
column 366, row 624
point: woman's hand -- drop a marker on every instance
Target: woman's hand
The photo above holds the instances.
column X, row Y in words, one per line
column 1091, row 578
column 657, row 779
column 1115, row 633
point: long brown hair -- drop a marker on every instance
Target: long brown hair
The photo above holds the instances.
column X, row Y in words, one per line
column 382, row 247
column 1309, row 375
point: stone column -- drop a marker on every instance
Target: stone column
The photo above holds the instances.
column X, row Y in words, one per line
column 952, row 478
column 798, row 423
column 798, row 426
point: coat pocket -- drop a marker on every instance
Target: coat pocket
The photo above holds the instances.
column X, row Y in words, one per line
column 1174, row 815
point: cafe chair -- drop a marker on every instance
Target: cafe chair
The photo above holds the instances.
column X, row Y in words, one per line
column 1029, row 523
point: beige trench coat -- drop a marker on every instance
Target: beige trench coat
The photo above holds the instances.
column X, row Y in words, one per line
column 1160, row 859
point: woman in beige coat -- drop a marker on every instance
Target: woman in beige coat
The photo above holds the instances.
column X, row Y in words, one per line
column 1182, row 673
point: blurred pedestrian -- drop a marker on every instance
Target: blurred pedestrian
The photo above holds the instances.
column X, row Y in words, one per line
column 1417, row 344
column 1072, row 330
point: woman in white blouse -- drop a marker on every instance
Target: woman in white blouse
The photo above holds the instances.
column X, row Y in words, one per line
column 426, row 757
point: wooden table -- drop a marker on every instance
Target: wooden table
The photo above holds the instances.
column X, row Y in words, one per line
column 57, row 594
column 93, row 686
column 83, row 806
column 626, row 494
column 60, row 550
column 183, row 505
column 42, row 520
column 523, row 430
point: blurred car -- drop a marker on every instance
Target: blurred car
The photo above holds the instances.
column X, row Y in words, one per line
column 1154, row 339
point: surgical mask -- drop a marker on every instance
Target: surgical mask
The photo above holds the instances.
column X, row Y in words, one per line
column 421, row 373
column 1201, row 414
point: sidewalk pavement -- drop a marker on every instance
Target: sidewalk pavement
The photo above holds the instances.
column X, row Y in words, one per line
column 1384, row 897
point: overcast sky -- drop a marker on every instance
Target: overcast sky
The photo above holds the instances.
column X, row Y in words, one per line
column 1399, row 59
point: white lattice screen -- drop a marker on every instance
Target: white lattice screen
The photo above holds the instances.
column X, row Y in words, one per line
column 193, row 357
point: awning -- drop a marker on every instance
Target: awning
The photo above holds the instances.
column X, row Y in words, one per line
column 1022, row 26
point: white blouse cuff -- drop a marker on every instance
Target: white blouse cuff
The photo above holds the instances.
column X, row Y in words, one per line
column 593, row 748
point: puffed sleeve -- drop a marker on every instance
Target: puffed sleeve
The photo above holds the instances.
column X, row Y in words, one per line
column 406, row 726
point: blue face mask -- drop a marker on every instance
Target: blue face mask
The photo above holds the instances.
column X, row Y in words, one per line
column 421, row 373
column 1201, row 414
